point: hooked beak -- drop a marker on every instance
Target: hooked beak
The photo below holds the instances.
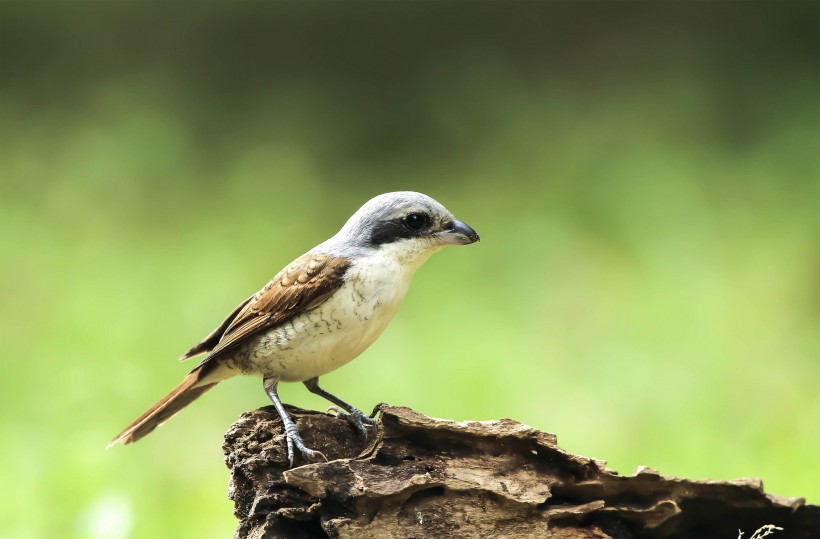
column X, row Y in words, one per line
column 457, row 233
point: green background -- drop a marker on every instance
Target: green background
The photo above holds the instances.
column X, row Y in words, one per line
column 644, row 176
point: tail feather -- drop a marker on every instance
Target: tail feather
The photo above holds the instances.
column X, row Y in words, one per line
column 179, row 397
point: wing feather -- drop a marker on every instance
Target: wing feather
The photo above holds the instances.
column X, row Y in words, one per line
column 303, row 285
column 208, row 343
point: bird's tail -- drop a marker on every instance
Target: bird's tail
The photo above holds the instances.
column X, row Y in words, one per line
column 179, row 397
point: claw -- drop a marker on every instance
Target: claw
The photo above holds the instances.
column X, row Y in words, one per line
column 291, row 432
column 355, row 418
column 334, row 410
column 349, row 413
column 356, row 421
column 310, row 455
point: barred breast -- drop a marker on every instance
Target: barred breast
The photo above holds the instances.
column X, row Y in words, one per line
column 337, row 331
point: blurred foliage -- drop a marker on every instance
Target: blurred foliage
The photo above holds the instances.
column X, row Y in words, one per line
column 644, row 176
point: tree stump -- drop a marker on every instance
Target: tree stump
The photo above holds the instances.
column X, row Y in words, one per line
column 417, row 477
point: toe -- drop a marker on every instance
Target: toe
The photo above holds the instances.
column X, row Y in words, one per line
column 313, row 456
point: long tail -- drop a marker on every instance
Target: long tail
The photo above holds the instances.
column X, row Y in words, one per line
column 179, row 397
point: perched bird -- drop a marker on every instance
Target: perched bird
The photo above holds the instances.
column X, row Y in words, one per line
column 320, row 312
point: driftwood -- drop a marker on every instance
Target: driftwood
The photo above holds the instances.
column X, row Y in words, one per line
column 418, row 477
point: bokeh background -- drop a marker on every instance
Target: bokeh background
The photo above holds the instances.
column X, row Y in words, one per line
column 644, row 176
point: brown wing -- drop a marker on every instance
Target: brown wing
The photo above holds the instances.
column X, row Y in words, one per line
column 304, row 284
column 208, row 343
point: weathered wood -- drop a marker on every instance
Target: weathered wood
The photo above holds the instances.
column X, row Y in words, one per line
column 418, row 477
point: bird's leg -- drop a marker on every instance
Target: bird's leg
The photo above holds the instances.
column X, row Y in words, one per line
column 291, row 432
column 353, row 415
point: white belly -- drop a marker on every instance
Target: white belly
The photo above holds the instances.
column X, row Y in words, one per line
column 331, row 335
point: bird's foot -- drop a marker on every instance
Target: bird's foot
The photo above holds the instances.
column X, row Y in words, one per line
column 354, row 416
column 295, row 441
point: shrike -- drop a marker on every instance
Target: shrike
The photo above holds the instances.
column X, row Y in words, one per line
column 320, row 312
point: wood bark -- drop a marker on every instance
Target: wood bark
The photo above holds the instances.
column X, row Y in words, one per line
column 417, row 476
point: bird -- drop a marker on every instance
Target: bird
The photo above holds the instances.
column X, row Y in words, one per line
column 318, row 313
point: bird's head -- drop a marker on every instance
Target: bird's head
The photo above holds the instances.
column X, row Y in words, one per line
column 408, row 225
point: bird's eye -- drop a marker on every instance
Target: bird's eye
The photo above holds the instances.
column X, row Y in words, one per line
column 415, row 221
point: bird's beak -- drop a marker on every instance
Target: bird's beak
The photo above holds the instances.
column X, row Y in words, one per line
column 457, row 233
